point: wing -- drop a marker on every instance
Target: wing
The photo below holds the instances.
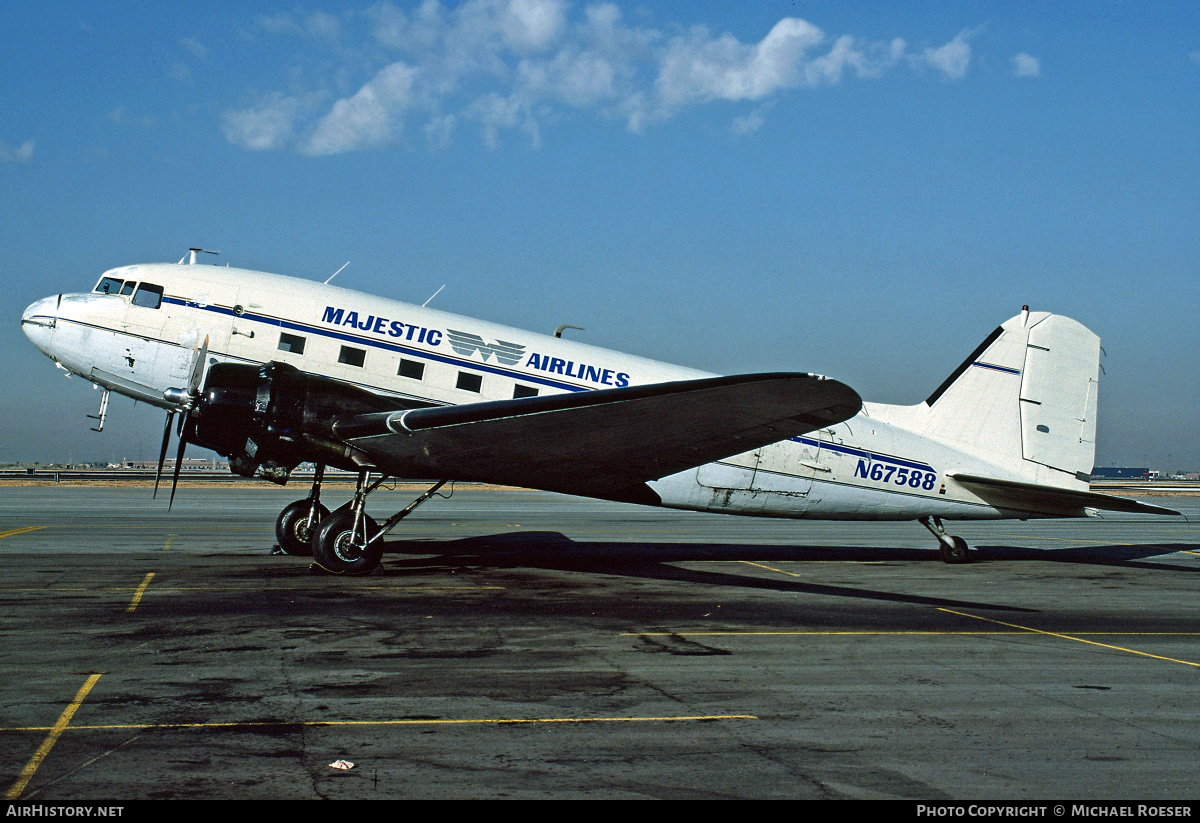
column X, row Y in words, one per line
column 1050, row 500
column 604, row 443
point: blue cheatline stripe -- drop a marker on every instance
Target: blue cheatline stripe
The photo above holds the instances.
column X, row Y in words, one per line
column 215, row 353
column 994, row 367
column 378, row 344
column 853, row 452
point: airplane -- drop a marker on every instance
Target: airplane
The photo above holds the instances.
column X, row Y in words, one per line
column 273, row 371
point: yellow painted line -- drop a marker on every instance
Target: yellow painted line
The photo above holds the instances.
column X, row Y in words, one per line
column 494, row 721
column 55, row 732
column 1076, row 638
column 11, row 532
column 168, row 543
column 769, row 568
column 137, row 595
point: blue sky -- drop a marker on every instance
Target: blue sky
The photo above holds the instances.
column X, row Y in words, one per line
column 859, row 189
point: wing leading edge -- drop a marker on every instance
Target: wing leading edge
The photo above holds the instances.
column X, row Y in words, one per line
column 604, row 443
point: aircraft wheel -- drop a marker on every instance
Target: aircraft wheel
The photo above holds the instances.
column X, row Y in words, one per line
column 291, row 529
column 956, row 551
column 336, row 549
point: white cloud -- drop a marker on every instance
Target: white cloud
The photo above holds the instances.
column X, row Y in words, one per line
column 699, row 67
column 268, row 125
column 951, row 59
column 372, row 116
column 749, row 124
column 516, row 65
column 1026, row 65
column 531, row 25
column 21, row 154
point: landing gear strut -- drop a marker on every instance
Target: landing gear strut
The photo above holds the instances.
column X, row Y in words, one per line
column 349, row 541
column 298, row 522
column 953, row 549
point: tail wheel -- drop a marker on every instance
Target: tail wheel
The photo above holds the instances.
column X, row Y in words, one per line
column 956, row 551
column 292, row 530
column 339, row 548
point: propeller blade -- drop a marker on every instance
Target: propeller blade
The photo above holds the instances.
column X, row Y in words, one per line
column 187, row 406
column 162, row 453
column 178, row 462
column 197, row 372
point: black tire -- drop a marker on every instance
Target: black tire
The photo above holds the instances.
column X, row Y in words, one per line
column 291, row 529
column 335, row 551
column 955, row 552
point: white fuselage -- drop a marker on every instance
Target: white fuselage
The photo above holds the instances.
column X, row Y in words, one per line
column 137, row 345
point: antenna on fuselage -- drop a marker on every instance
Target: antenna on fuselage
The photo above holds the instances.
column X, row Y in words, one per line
column 435, row 294
column 339, row 271
column 558, row 331
column 190, row 257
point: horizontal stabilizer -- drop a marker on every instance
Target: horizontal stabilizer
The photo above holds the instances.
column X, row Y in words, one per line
column 1049, row 500
column 604, row 443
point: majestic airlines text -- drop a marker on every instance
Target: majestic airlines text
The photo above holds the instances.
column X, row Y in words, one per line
column 377, row 324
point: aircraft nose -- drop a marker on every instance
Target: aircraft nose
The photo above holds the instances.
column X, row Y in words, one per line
column 39, row 319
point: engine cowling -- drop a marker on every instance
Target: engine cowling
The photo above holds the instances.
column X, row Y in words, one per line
column 269, row 419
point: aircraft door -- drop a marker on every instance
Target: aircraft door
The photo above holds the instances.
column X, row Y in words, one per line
column 785, row 476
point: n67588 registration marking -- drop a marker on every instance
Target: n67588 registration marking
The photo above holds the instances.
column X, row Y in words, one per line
column 895, row 475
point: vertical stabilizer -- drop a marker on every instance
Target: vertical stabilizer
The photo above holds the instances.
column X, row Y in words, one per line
column 1025, row 399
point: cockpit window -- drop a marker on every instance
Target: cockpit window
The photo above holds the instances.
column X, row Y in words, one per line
column 127, row 289
column 148, row 295
column 108, row 285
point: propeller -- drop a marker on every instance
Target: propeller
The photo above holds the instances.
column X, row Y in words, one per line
column 162, row 453
column 185, row 403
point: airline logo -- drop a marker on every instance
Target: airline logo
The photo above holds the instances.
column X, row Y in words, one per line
column 467, row 344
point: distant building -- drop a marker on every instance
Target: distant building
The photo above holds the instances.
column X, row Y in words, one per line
column 1120, row 473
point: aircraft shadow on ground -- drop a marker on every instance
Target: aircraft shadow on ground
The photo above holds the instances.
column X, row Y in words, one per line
column 555, row 551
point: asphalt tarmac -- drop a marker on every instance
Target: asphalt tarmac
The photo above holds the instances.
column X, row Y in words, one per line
column 526, row 645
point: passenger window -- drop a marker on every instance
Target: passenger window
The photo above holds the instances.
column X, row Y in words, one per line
column 293, row 343
column 127, row 289
column 524, row 391
column 149, row 296
column 470, row 382
column 109, row 285
column 412, row 368
column 352, row 356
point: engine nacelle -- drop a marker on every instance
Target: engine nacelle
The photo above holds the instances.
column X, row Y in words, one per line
column 269, row 419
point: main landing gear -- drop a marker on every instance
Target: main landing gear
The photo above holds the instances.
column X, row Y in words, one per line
column 952, row 548
column 298, row 522
column 346, row 541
